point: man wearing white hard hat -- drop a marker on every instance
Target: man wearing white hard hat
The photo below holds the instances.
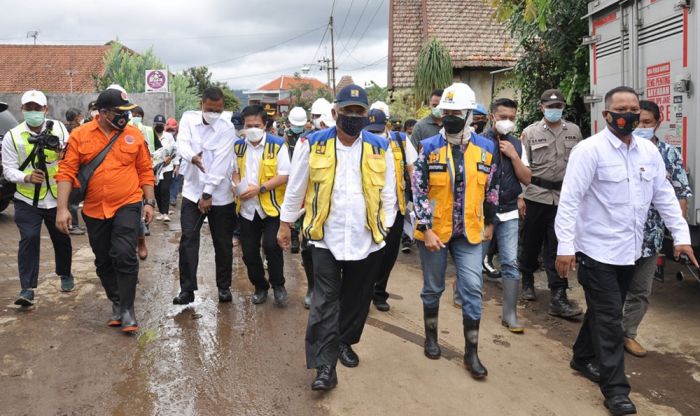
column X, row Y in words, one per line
column 318, row 108
column 450, row 180
column 297, row 120
column 35, row 198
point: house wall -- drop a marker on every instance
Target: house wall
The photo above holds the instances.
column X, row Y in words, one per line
column 480, row 81
column 152, row 103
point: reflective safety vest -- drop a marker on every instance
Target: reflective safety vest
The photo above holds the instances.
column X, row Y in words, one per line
column 477, row 167
column 149, row 135
column 319, row 192
column 20, row 138
column 398, row 148
column 271, row 201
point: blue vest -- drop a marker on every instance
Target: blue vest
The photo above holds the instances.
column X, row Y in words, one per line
column 508, row 184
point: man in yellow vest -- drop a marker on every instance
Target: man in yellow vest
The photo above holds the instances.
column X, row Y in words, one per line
column 261, row 177
column 35, row 199
column 450, row 180
column 344, row 177
column 137, row 115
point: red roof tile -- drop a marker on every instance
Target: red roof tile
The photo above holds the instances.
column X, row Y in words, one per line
column 48, row 68
column 287, row 82
column 466, row 27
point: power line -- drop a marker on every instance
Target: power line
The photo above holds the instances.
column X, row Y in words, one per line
column 376, row 12
column 357, row 23
column 277, row 71
column 367, row 65
column 319, row 45
column 347, row 14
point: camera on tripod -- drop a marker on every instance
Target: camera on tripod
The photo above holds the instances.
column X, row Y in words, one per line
column 45, row 140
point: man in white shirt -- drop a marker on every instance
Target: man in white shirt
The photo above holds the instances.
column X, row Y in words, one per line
column 35, row 199
column 611, row 180
column 205, row 142
column 345, row 180
column 263, row 163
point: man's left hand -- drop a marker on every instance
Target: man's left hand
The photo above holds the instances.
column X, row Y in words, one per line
column 204, row 205
column 147, row 213
column 488, row 233
column 507, row 149
column 686, row 249
column 252, row 191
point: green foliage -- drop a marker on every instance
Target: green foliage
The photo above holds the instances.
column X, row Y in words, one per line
column 402, row 104
column 549, row 34
column 186, row 97
column 376, row 93
column 303, row 94
column 433, row 69
column 200, row 79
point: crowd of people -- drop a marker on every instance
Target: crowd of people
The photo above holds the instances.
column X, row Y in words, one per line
column 349, row 187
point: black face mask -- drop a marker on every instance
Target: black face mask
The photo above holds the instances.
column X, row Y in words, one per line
column 479, row 126
column 120, row 120
column 453, row 124
column 352, row 125
column 622, row 123
column 159, row 129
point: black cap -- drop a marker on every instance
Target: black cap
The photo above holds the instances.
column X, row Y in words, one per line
column 352, row 95
column 114, row 99
column 237, row 120
column 159, row 119
column 552, row 96
column 92, row 105
column 377, row 121
column 3, row 107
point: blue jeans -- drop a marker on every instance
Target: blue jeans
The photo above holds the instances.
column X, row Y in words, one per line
column 175, row 187
column 506, row 234
column 467, row 258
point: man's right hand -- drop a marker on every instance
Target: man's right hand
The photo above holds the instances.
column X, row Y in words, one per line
column 432, row 241
column 284, row 235
column 36, row 177
column 197, row 161
column 522, row 208
column 565, row 264
column 63, row 220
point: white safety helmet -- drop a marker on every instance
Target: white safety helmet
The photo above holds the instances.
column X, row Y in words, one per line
column 381, row 105
column 458, row 96
column 319, row 106
column 297, row 117
column 327, row 118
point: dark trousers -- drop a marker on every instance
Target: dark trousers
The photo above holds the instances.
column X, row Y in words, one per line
column 251, row 233
column 339, row 304
column 113, row 242
column 163, row 192
column 601, row 337
column 308, row 262
column 28, row 220
column 221, row 228
column 538, row 229
column 391, row 252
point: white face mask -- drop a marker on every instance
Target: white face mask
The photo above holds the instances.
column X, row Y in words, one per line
column 317, row 123
column 505, row 127
column 94, row 113
column 644, row 132
column 253, row 134
column 210, row 117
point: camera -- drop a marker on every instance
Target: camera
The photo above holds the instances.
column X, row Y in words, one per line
column 46, row 140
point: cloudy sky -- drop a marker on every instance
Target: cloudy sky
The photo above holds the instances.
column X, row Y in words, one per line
column 244, row 42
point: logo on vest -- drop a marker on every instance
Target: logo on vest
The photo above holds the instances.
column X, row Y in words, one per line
column 321, row 149
column 484, row 168
column 129, row 139
column 437, row 167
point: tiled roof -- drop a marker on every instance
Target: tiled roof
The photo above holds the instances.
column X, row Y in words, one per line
column 345, row 80
column 287, row 82
column 466, row 27
column 50, row 68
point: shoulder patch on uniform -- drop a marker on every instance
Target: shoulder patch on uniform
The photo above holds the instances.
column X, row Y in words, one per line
column 129, row 139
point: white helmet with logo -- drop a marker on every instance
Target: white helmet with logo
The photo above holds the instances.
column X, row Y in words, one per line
column 297, row 117
column 458, row 96
column 319, row 106
column 381, row 105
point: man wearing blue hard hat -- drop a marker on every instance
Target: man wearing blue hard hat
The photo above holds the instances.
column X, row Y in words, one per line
column 481, row 117
column 344, row 178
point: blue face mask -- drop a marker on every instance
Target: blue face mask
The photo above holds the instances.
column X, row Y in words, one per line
column 553, row 115
column 297, row 129
column 644, row 132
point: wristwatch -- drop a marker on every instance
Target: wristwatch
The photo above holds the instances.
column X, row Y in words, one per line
column 151, row 202
column 422, row 227
column 206, row 196
column 263, row 189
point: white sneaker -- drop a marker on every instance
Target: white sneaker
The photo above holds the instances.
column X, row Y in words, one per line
column 159, row 217
column 171, row 212
column 166, row 218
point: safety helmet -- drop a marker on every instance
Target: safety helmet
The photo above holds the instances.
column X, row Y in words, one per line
column 327, row 118
column 297, row 117
column 319, row 106
column 381, row 105
column 458, row 96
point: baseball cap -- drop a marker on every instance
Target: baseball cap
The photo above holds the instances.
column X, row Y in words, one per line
column 34, row 96
column 113, row 98
column 171, row 123
column 92, row 105
column 3, row 106
column 159, row 119
column 237, row 120
column 377, row 121
column 552, row 96
column 480, row 110
column 352, row 95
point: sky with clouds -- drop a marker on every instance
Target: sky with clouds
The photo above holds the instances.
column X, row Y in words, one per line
column 243, row 42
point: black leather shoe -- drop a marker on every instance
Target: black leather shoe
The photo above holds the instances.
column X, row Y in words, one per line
column 183, row 298
column 326, row 378
column 225, row 295
column 620, row 405
column 260, row 296
column 295, row 246
column 588, row 370
column 528, row 292
column 560, row 306
column 381, row 305
column 347, row 356
column 280, row 295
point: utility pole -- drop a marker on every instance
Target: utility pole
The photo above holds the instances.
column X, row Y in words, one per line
column 327, row 66
column 333, row 68
column 33, row 34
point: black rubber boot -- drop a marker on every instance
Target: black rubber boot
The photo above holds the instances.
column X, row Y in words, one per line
column 528, row 292
column 559, row 304
column 431, row 347
column 471, row 356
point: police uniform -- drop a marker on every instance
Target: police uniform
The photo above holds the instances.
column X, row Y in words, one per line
column 548, row 151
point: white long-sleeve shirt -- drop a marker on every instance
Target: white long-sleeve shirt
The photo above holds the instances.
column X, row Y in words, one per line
column 11, row 162
column 345, row 232
column 216, row 144
column 605, row 199
column 252, row 175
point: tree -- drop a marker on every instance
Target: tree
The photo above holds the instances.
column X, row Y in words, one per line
column 303, row 93
column 186, row 97
column 376, row 93
column 199, row 78
column 433, row 69
column 549, row 34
